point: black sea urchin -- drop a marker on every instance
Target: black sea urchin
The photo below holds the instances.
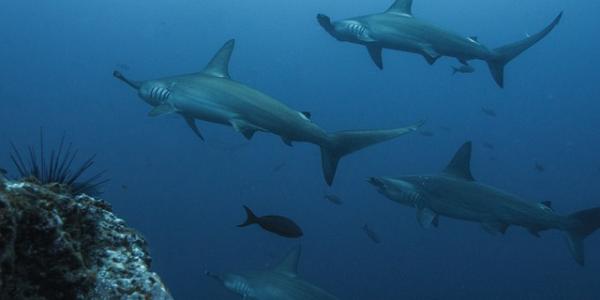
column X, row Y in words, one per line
column 58, row 167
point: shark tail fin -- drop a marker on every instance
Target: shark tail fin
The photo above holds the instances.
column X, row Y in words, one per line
column 345, row 142
column 251, row 218
column 503, row 55
column 585, row 222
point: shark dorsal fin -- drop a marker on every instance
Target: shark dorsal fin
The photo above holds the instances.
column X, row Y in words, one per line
column 403, row 7
column 219, row 64
column 289, row 264
column 460, row 165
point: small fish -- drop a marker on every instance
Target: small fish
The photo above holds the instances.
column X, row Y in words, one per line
column 124, row 187
column 334, row 199
column 427, row 133
column 276, row 224
column 488, row 145
column 488, row 111
column 539, row 167
column 278, row 167
column 465, row 69
column 3, row 171
column 371, row 234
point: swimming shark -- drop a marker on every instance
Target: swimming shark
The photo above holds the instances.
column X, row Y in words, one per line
column 278, row 283
column 211, row 95
column 455, row 194
column 398, row 29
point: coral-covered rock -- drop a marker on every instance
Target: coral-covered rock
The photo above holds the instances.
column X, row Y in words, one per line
column 54, row 245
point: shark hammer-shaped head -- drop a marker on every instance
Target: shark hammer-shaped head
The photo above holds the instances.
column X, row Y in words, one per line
column 348, row 30
column 153, row 92
column 405, row 190
column 157, row 92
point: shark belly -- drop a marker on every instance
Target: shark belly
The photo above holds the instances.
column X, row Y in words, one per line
column 262, row 112
column 476, row 202
column 408, row 34
column 397, row 33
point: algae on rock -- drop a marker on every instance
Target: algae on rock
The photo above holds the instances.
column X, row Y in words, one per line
column 54, row 245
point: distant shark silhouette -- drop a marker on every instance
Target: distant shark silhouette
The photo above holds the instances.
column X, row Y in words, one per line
column 278, row 283
column 212, row 96
column 455, row 194
column 398, row 29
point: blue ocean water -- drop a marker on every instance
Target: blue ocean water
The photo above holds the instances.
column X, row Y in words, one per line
column 186, row 196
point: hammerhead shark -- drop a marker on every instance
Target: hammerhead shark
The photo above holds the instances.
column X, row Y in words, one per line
column 455, row 194
column 212, row 96
column 398, row 29
column 278, row 283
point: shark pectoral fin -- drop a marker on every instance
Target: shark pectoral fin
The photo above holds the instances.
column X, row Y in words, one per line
column 375, row 53
column 429, row 53
column 162, row 109
column 426, row 217
column 191, row 122
column 494, row 227
column 547, row 205
column 287, row 141
column 245, row 128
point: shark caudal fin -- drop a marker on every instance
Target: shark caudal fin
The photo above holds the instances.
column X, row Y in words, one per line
column 505, row 54
column 584, row 223
column 345, row 142
column 251, row 218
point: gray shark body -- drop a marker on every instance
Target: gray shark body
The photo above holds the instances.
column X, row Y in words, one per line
column 398, row 29
column 211, row 95
column 278, row 283
column 455, row 194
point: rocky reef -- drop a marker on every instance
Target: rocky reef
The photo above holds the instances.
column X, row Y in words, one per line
column 55, row 245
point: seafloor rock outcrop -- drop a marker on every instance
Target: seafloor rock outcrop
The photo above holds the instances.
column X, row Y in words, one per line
column 54, row 245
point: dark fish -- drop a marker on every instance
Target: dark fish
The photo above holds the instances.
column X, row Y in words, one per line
column 427, row 133
column 278, row 167
column 462, row 69
column 539, row 167
column 488, row 145
column 124, row 187
column 3, row 171
column 334, row 199
column 371, row 234
column 276, row 224
column 488, row 111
